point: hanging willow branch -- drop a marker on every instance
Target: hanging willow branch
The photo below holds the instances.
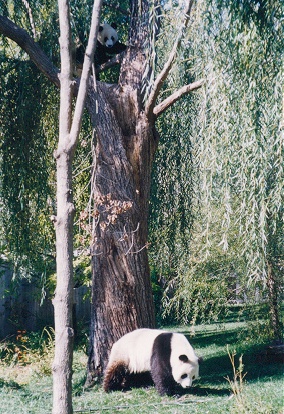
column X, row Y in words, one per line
column 150, row 104
column 32, row 23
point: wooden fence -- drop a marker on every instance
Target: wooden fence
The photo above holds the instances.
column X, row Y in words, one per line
column 23, row 308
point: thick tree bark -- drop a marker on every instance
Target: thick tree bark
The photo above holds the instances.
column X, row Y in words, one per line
column 121, row 289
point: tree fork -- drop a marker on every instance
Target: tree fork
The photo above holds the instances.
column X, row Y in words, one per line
column 68, row 138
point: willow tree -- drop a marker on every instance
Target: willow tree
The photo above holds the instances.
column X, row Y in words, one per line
column 233, row 201
column 26, row 183
column 126, row 141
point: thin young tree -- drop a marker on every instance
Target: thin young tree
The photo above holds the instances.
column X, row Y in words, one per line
column 69, row 127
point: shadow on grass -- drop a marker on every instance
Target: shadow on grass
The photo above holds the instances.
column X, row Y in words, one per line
column 210, row 391
column 216, row 369
column 203, row 391
column 218, row 338
column 79, row 386
column 11, row 384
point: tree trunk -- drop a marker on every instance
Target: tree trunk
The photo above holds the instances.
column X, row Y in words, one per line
column 68, row 136
column 121, row 287
column 63, row 301
column 273, row 294
column 126, row 141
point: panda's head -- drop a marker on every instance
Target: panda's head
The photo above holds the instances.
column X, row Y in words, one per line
column 107, row 35
column 185, row 371
column 184, row 361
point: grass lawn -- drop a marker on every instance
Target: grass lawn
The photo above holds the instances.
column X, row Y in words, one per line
column 25, row 389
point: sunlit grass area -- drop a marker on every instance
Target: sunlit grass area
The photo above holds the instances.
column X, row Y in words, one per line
column 26, row 387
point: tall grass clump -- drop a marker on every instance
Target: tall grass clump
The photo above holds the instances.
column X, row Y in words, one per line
column 237, row 383
column 34, row 349
column 247, row 398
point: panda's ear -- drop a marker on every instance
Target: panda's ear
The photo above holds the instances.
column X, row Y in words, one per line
column 114, row 26
column 183, row 358
column 101, row 28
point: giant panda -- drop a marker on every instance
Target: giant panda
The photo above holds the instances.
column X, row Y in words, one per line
column 108, row 44
column 107, row 47
column 168, row 357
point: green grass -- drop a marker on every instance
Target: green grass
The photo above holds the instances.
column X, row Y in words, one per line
column 25, row 389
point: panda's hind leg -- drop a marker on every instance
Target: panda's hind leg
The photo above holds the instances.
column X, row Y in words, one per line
column 115, row 378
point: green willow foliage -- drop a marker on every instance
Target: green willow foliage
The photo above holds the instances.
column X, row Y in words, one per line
column 243, row 118
column 25, row 163
column 28, row 127
column 28, row 137
column 28, row 134
column 231, row 177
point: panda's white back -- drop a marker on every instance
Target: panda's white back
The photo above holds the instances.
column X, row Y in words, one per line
column 135, row 349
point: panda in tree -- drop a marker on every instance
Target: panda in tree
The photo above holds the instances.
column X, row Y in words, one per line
column 108, row 44
column 107, row 47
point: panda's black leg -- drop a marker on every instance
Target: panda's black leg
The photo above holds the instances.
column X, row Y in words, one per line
column 165, row 385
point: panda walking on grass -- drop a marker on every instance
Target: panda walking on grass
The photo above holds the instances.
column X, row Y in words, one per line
column 168, row 357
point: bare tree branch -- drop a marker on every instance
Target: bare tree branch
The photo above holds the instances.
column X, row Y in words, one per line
column 150, row 104
column 24, row 40
column 66, row 92
column 165, row 104
column 116, row 60
column 88, row 60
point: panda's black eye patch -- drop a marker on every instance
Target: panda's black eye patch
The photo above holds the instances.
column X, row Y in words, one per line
column 112, row 38
column 105, row 39
column 193, row 377
column 183, row 376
